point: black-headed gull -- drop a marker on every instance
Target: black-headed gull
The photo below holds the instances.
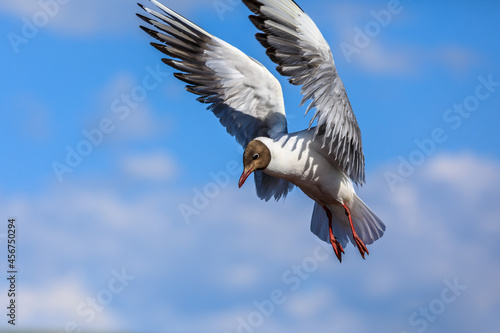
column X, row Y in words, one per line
column 323, row 161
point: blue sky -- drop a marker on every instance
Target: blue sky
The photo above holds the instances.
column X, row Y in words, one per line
column 418, row 83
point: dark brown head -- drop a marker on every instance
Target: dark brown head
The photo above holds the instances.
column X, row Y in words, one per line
column 256, row 157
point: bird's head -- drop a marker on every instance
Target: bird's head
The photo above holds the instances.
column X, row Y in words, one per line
column 256, row 157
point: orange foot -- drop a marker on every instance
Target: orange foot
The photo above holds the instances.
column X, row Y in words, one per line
column 337, row 248
column 361, row 246
column 359, row 243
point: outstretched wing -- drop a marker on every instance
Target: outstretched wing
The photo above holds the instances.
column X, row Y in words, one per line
column 295, row 43
column 241, row 92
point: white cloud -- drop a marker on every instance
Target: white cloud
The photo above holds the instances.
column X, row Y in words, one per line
column 237, row 249
column 439, row 227
column 157, row 166
column 378, row 53
column 379, row 59
column 240, row 276
column 55, row 305
column 456, row 58
column 409, row 60
column 89, row 17
column 124, row 100
column 472, row 176
column 19, row 7
column 309, row 304
column 93, row 17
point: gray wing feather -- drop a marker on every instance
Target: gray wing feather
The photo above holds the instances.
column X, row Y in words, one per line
column 295, row 43
column 241, row 93
column 268, row 187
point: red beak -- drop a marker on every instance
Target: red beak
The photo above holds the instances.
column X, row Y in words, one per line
column 244, row 177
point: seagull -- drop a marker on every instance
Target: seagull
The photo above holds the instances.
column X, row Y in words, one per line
column 325, row 161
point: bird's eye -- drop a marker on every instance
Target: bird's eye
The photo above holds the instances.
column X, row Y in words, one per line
column 256, row 156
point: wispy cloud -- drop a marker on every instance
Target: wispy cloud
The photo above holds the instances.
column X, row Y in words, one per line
column 65, row 304
column 240, row 249
column 90, row 17
column 156, row 166
column 122, row 100
column 366, row 39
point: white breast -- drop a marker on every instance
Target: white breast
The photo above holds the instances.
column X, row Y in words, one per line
column 294, row 159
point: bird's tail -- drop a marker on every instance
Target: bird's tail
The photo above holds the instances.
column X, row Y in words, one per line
column 367, row 225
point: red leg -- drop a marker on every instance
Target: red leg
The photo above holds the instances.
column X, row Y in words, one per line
column 359, row 243
column 337, row 248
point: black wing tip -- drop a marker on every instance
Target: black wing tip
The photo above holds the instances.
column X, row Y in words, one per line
column 182, row 77
column 253, row 5
column 270, row 50
column 169, row 62
column 153, row 33
column 142, row 6
column 271, row 53
column 262, row 38
column 142, row 17
column 175, row 63
column 147, row 30
column 159, row 47
column 258, row 21
column 296, row 4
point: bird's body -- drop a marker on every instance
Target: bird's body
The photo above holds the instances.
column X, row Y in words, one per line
column 323, row 161
column 300, row 159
